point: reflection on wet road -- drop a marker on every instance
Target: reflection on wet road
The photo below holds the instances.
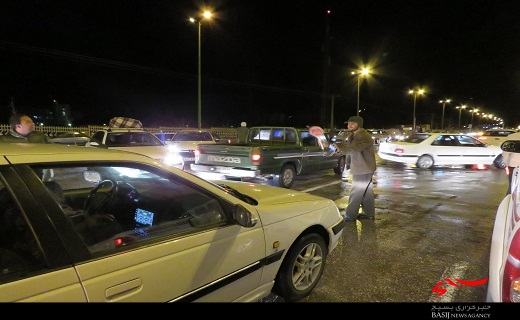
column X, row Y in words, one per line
column 430, row 225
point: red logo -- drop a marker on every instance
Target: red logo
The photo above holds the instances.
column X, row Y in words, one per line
column 458, row 283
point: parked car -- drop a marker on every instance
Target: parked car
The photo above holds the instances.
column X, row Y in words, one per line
column 137, row 141
column 426, row 150
column 495, row 137
column 114, row 226
column 504, row 256
column 70, row 138
column 186, row 142
column 379, row 135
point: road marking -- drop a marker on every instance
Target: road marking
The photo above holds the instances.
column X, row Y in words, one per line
column 323, row 185
column 455, row 272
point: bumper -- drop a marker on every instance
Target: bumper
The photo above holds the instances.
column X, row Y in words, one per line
column 226, row 171
column 396, row 158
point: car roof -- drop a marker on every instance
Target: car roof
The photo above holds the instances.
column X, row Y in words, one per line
column 499, row 129
column 125, row 130
column 40, row 152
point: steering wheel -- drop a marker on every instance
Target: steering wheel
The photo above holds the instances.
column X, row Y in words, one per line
column 100, row 198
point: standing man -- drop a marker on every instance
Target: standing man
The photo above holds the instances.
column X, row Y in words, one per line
column 359, row 150
column 23, row 129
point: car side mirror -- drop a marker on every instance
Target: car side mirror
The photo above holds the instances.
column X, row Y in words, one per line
column 511, row 146
column 243, row 217
column 96, row 144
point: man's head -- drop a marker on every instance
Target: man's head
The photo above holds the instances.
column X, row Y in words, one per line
column 21, row 124
column 354, row 123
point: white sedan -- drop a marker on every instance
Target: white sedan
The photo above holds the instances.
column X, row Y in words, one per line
column 504, row 257
column 426, row 150
column 114, row 226
column 136, row 141
column 185, row 143
column 495, row 137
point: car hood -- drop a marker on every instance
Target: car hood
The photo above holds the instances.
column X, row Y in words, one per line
column 275, row 204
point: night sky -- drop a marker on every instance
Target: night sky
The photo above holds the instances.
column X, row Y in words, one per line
column 264, row 62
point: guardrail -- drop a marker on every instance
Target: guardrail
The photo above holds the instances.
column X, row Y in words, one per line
column 223, row 133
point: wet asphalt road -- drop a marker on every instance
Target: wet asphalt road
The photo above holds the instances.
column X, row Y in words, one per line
column 431, row 225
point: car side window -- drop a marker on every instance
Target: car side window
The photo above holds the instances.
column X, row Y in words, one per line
column 467, row 141
column 19, row 250
column 445, row 140
column 98, row 137
column 307, row 139
column 120, row 208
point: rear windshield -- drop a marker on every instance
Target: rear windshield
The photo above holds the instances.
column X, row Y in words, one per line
column 417, row 138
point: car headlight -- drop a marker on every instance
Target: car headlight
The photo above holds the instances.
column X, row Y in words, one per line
column 173, row 158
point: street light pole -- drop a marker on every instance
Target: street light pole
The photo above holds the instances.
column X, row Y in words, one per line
column 361, row 73
column 358, row 87
column 443, row 106
column 199, row 81
column 415, row 92
column 205, row 15
column 472, row 113
column 460, row 111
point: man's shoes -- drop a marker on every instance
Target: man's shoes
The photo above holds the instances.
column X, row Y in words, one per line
column 365, row 217
column 348, row 219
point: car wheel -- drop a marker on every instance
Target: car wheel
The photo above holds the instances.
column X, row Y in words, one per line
column 425, row 162
column 499, row 162
column 302, row 268
column 340, row 166
column 286, row 177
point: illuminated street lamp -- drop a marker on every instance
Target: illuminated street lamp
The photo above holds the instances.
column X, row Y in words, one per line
column 361, row 73
column 443, row 105
column 415, row 92
column 472, row 113
column 205, row 15
column 460, row 111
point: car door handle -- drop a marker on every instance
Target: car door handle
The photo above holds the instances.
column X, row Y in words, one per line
column 125, row 288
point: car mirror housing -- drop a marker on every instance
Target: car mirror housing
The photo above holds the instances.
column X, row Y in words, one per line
column 243, row 217
column 511, row 146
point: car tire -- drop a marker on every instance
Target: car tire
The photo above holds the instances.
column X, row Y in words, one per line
column 425, row 162
column 499, row 162
column 301, row 268
column 286, row 177
column 340, row 166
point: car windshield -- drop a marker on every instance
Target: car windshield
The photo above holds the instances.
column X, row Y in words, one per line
column 132, row 139
column 192, row 136
column 417, row 138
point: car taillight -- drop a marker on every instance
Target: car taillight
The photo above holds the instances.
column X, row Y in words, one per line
column 256, row 157
column 399, row 150
column 511, row 278
column 197, row 153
